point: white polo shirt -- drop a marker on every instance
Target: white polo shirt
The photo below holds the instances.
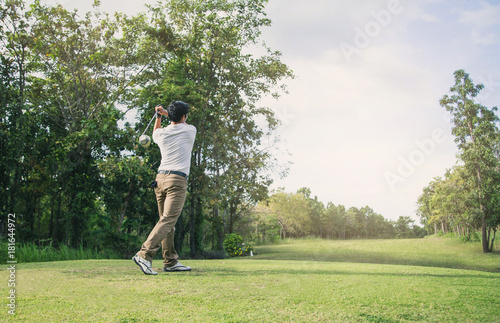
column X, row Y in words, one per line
column 176, row 143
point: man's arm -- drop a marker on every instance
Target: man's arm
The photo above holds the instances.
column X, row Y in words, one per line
column 159, row 112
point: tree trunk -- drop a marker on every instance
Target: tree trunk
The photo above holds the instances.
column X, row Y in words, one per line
column 232, row 217
column 130, row 194
column 484, row 233
column 192, row 244
column 218, row 230
column 57, row 220
column 485, row 237
column 51, row 221
column 493, row 240
column 220, row 227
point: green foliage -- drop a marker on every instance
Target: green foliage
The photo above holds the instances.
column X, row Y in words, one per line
column 201, row 61
column 300, row 215
column 234, row 246
column 231, row 242
column 69, row 171
column 246, row 250
column 474, row 237
column 449, row 204
column 30, row 252
column 477, row 134
column 403, row 227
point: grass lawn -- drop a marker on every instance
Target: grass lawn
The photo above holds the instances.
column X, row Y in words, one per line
column 428, row 280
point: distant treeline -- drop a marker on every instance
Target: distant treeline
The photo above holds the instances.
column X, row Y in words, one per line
column 296, row 215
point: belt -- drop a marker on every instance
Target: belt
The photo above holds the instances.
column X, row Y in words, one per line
column 172, row 172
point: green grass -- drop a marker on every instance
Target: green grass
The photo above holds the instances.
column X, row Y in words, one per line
column 298, row 281
column 432, row 251
column 29, row 252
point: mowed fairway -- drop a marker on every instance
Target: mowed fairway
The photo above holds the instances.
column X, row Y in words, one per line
column 299, row 281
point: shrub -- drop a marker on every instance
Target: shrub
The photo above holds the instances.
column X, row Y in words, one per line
column 231, row 242
column 474, row 237
column 234, row 246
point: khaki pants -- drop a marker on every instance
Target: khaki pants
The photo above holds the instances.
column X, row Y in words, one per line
column 170, row 194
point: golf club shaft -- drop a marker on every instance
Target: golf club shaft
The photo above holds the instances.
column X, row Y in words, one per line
column 156, row 113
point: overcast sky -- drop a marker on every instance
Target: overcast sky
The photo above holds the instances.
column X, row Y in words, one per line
column 362, row 121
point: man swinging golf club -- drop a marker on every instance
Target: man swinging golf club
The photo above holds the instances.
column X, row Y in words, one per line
column 176, row 143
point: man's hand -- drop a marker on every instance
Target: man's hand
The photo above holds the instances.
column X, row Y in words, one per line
column 159, row 109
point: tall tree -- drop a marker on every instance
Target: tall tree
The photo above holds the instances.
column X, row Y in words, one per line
column 204, row 63
column 84, row 65
column 476, row 133
column 17, row 127
column 424, row 210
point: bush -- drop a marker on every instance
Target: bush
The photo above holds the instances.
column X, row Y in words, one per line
column 234, row 246
column 231, row 242
column 474, row 237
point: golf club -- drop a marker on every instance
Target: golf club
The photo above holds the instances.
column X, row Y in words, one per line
column 145, row 140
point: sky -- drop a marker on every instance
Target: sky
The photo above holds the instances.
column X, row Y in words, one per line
column 362, row 122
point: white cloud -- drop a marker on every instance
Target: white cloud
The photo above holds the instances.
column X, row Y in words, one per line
column 429, row 18
column 484, row 38
column 354, row 121
column 485, row 16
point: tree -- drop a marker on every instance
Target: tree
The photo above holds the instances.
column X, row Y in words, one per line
column 450, row 203
column 71, row 73
column 66, row 80
column 403, row 227
column 376, row 224
column 266, row 223
column 203, row 62
column 17, row 127
column 476, row 133
column 424, row 210
column 292, row 212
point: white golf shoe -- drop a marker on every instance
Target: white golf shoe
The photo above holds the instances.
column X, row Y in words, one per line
column 177, row 267
column 145, row 265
